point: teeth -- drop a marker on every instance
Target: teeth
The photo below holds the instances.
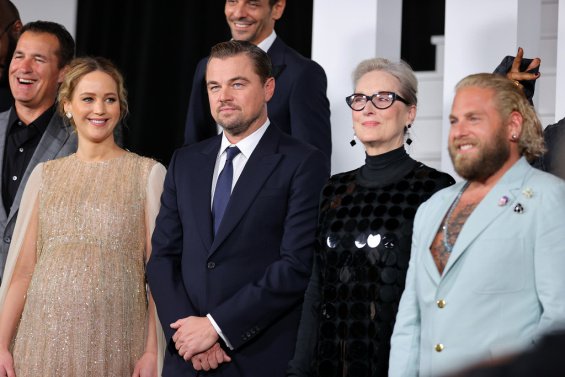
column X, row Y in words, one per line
column 241, row 25
column 24, row 81
column 465, row 147
column 97, row 121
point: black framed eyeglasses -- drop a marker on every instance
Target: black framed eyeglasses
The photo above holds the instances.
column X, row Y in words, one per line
column 381, row 100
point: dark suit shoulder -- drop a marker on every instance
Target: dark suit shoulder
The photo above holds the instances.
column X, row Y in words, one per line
column 281, row 53
column 553, row 130
column 294, row 146
column 203, row 146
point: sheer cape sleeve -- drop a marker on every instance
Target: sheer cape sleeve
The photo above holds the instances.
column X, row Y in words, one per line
column 152, row 205
column 29, row 198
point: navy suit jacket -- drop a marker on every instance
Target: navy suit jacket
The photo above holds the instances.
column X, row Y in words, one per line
column 252, row 275
column 299, row 106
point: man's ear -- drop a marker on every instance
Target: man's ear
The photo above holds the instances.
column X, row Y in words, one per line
column 62, row 74
column 278, row 9
column 515, row 121
column 17, row 27
column 269, row 88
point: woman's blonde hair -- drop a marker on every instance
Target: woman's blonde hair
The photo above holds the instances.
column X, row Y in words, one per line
column 80, row 67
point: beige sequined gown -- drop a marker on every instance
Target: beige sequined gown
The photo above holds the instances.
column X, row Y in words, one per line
column 86, row 307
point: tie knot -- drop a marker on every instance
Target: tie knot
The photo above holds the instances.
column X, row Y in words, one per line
column 231, row 152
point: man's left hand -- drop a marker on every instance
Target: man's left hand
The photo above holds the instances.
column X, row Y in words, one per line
column 193, row 335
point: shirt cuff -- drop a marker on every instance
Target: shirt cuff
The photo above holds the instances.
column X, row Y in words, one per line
column 219, row 331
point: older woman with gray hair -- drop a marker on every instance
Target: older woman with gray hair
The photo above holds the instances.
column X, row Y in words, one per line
column 364, row 233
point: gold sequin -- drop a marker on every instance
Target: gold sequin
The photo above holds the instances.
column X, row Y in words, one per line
column 86, row 308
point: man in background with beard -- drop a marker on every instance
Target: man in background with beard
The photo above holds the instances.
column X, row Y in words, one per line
column 488, row 254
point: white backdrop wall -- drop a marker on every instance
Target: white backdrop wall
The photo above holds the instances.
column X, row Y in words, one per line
column 61, row 11
column 477, row 35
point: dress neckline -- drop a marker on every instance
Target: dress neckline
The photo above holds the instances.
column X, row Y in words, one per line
column 386, row 168
column 103, row 162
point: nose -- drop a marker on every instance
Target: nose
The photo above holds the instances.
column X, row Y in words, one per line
column 369, row 108
column 99, row 107
column 23, row 65
column 239, row 10
column 225, row 94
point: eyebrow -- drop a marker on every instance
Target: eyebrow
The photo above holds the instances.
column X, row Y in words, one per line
column 237, row 78
column 94, row 94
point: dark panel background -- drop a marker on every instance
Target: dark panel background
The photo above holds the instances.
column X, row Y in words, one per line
column 421, row 20
column 157, row 44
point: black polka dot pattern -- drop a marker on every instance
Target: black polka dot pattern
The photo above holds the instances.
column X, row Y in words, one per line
column 364, row 240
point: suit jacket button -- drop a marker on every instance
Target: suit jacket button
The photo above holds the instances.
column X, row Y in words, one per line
column 211, row 265
column 439, row 347
column 7, row 239
column 441, row 304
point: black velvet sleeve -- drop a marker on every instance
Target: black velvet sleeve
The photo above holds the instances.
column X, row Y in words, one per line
column 306, row 342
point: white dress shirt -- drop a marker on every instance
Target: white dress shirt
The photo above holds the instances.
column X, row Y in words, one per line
column 246, row 147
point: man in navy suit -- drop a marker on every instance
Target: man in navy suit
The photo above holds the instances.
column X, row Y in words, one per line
column 229, row 282
column 299, row 106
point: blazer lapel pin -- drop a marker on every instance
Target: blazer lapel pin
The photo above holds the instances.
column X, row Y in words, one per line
column 503, row 201
column 518, row 208
column 528, row 192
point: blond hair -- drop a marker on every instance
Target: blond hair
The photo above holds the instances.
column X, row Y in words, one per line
column 508, row 98
column 79, row 68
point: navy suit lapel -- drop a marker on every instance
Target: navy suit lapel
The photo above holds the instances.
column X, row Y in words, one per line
column 200, row 183
column 258, row 168
column 276, row 53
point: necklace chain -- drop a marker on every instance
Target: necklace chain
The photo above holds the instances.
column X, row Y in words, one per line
column 448, row 246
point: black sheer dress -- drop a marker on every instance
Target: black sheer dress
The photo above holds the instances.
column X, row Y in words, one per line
column 364, row 240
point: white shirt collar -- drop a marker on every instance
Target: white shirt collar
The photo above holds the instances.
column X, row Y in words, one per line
column 266, row 43
column 248, row 144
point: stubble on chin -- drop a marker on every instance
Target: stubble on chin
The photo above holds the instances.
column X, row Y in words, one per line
column 237, row 127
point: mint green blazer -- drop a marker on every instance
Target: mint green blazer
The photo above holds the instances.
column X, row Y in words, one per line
column 503, row 285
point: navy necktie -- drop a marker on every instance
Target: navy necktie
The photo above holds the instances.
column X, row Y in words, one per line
column 223, row 188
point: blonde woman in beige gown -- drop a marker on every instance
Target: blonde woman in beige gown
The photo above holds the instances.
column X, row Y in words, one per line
column 74, row 299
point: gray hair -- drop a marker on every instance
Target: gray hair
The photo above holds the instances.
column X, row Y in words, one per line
column 401, row 70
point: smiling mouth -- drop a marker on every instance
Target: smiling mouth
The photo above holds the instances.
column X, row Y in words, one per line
column 25, row 81
column 242, row 24
column 98, row 122
column 465, row 147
